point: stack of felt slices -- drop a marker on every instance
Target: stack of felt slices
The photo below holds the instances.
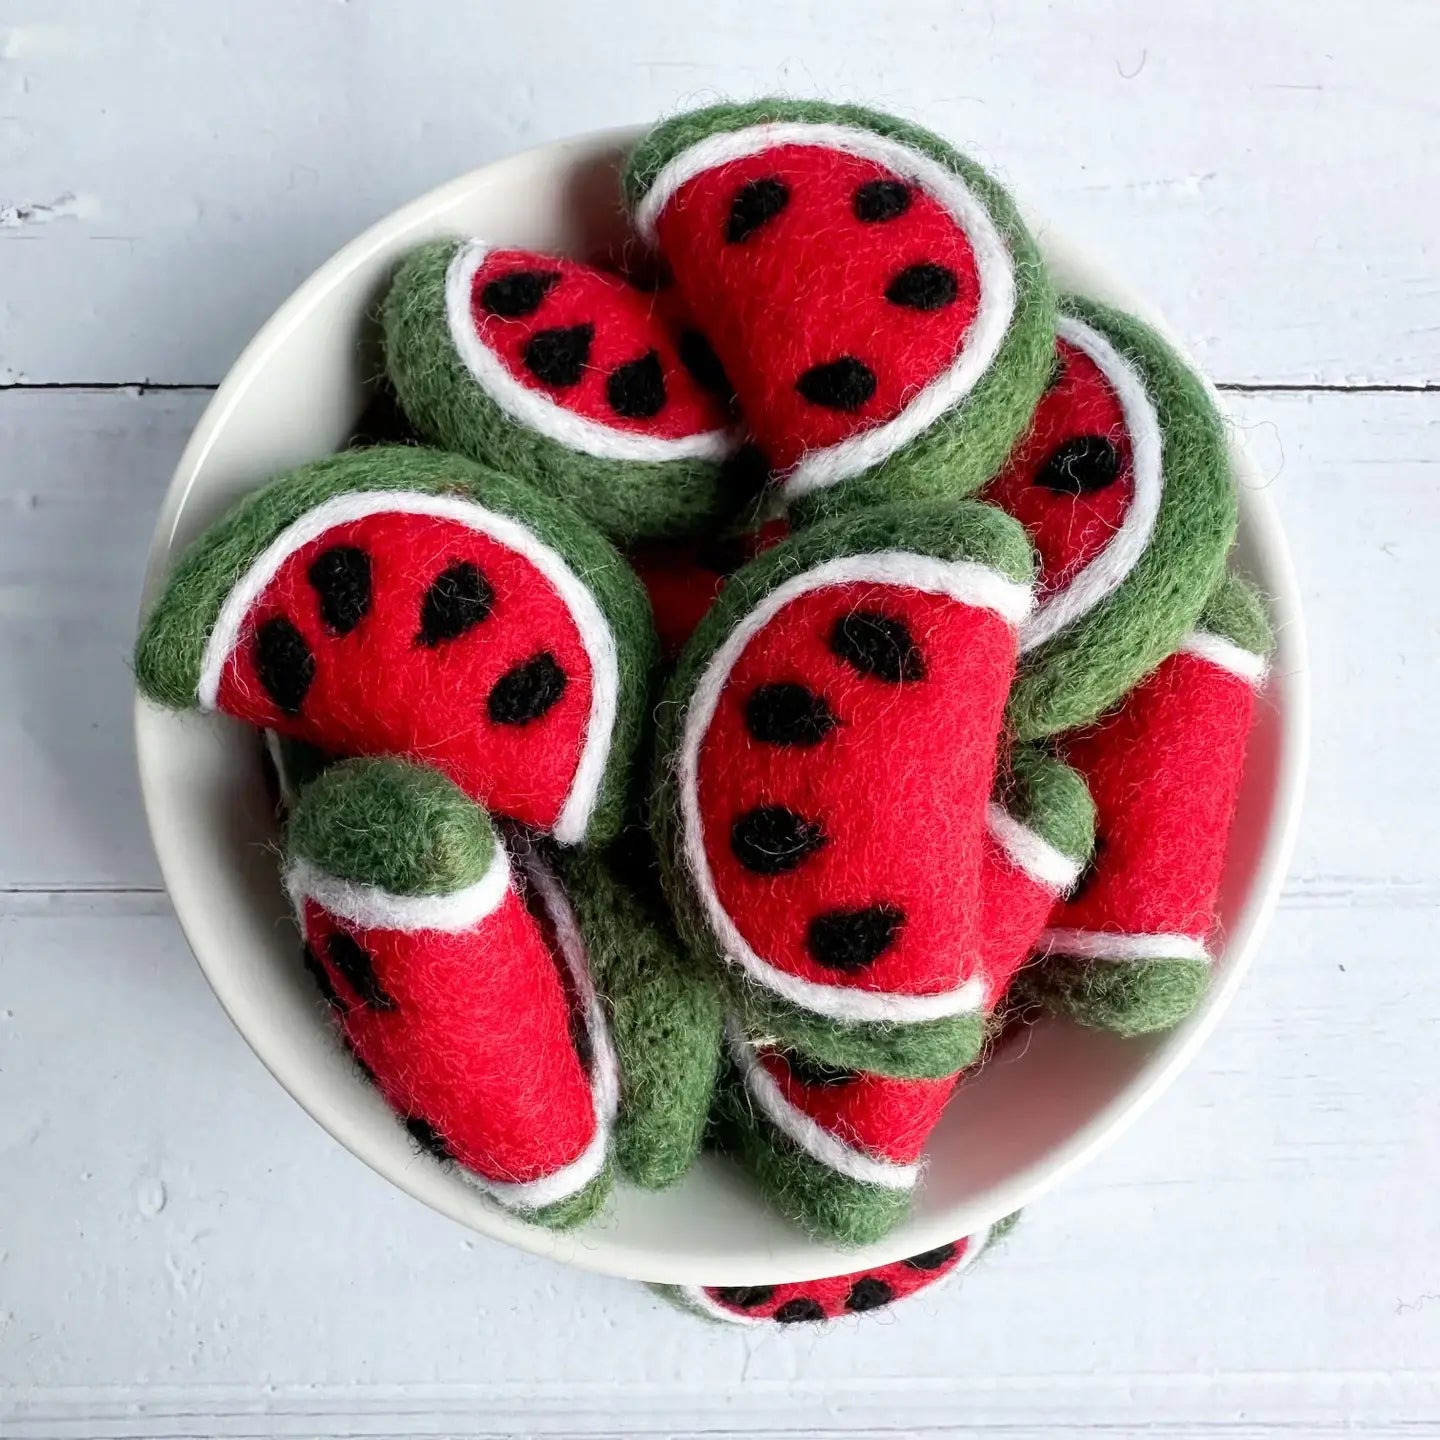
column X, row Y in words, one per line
column 767, row 662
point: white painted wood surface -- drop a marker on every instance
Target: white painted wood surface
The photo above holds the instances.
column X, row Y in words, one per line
column 182, row 1252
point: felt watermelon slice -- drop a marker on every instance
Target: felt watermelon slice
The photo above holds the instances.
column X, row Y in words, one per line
column 872, row 295
column 566, row 376
column 1123, row 485
column 826, row 751
column 1127, row 951
column 400, row 601
column 459, row 983
column 833, row 1297
column 837, row 1151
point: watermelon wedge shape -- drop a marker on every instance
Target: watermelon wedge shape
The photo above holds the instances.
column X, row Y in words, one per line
column 826, row 750
column 872, row 295
column 1127, row 951
column 836, row 1151
column 1040, row 832
column 401, row 601
column 459, row 982
column 564, row 375
column 1123, row 484
column 833, row 1297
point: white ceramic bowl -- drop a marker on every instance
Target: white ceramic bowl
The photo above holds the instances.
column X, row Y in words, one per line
column 1030, row 1118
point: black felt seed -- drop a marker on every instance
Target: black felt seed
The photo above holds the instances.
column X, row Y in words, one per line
column 878, row 200
column 932, row 1259
column 519, row 293
column 753, row 205
column 320, row 975
column 428, row 1138
column 799, row 1311
column 557, row 357
column 723, row 555
column 788, row 713
column 698, row 356
column 744, row 1297
column 772, row 840
column 636, row 389
column 878, row 645
column 923, row 287
column 849, row 940
column 354, row 962
column 745, row 472
column 526, row 691
column 458, row 599
column 843, row 384
column 1080, row 465
column 869, row 1293
column 816, row 1074
column 284, row 663
column 341, row 577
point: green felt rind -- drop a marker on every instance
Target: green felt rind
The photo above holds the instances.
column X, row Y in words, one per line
column 665, row 1018
column 958, row 530
column 1237, row 610
column 402, row 827
column 627, row 499
column 575, row 1209
column 1051, row 798
column 1130, row 998
column 969, row 443
column 1081, row 672
column 171, row 647
column 830, row 1206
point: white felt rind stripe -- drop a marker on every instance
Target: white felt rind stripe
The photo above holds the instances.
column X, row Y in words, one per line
column 1225, row 653
column 367, row 907
column 1031, row 851
column 1107, row 571
column 975, row 1246
column 962, row 580
column 993, row 263
column 275, row 749
column 595, row 633
column 805, row 1132
column 1107, row 945
column 549, row 1189
column 533, row 408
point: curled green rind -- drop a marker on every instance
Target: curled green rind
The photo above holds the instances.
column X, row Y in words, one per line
column 665, row 1018
column 399, row 826
column 1051, row 798
column 967, row 445
column 1236, row 610
column 627, row 499
column 1130, row 998
column 959, row 530
column 1085, row 669
column 171, row 647
column 575, row 1209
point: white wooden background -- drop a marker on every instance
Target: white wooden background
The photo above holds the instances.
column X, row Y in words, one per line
column 182, row 1252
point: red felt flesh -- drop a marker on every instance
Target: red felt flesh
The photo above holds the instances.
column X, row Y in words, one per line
column 808, row 287
column 1014, row 909
column 1068, row 531
column 628, row 325
column 880, row 1115
column 837, row 1295
column 899, row 786
column 377, row 691
column 1165, row 772
column 478, row 1042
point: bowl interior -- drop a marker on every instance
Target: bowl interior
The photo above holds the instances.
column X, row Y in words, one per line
column 1033, row 1114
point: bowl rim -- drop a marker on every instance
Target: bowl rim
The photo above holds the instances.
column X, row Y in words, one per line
column 1265, row 537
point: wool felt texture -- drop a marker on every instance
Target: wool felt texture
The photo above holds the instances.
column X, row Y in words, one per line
column 566, row 376
column 836, row 1151
column 825, row 753
column 1127, row 950
column 1040, row 834
column 1124, row 486
column 460, row 986
column 872, row 295
column 833, row 1297
column 665, row 1012
column 326, row 604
